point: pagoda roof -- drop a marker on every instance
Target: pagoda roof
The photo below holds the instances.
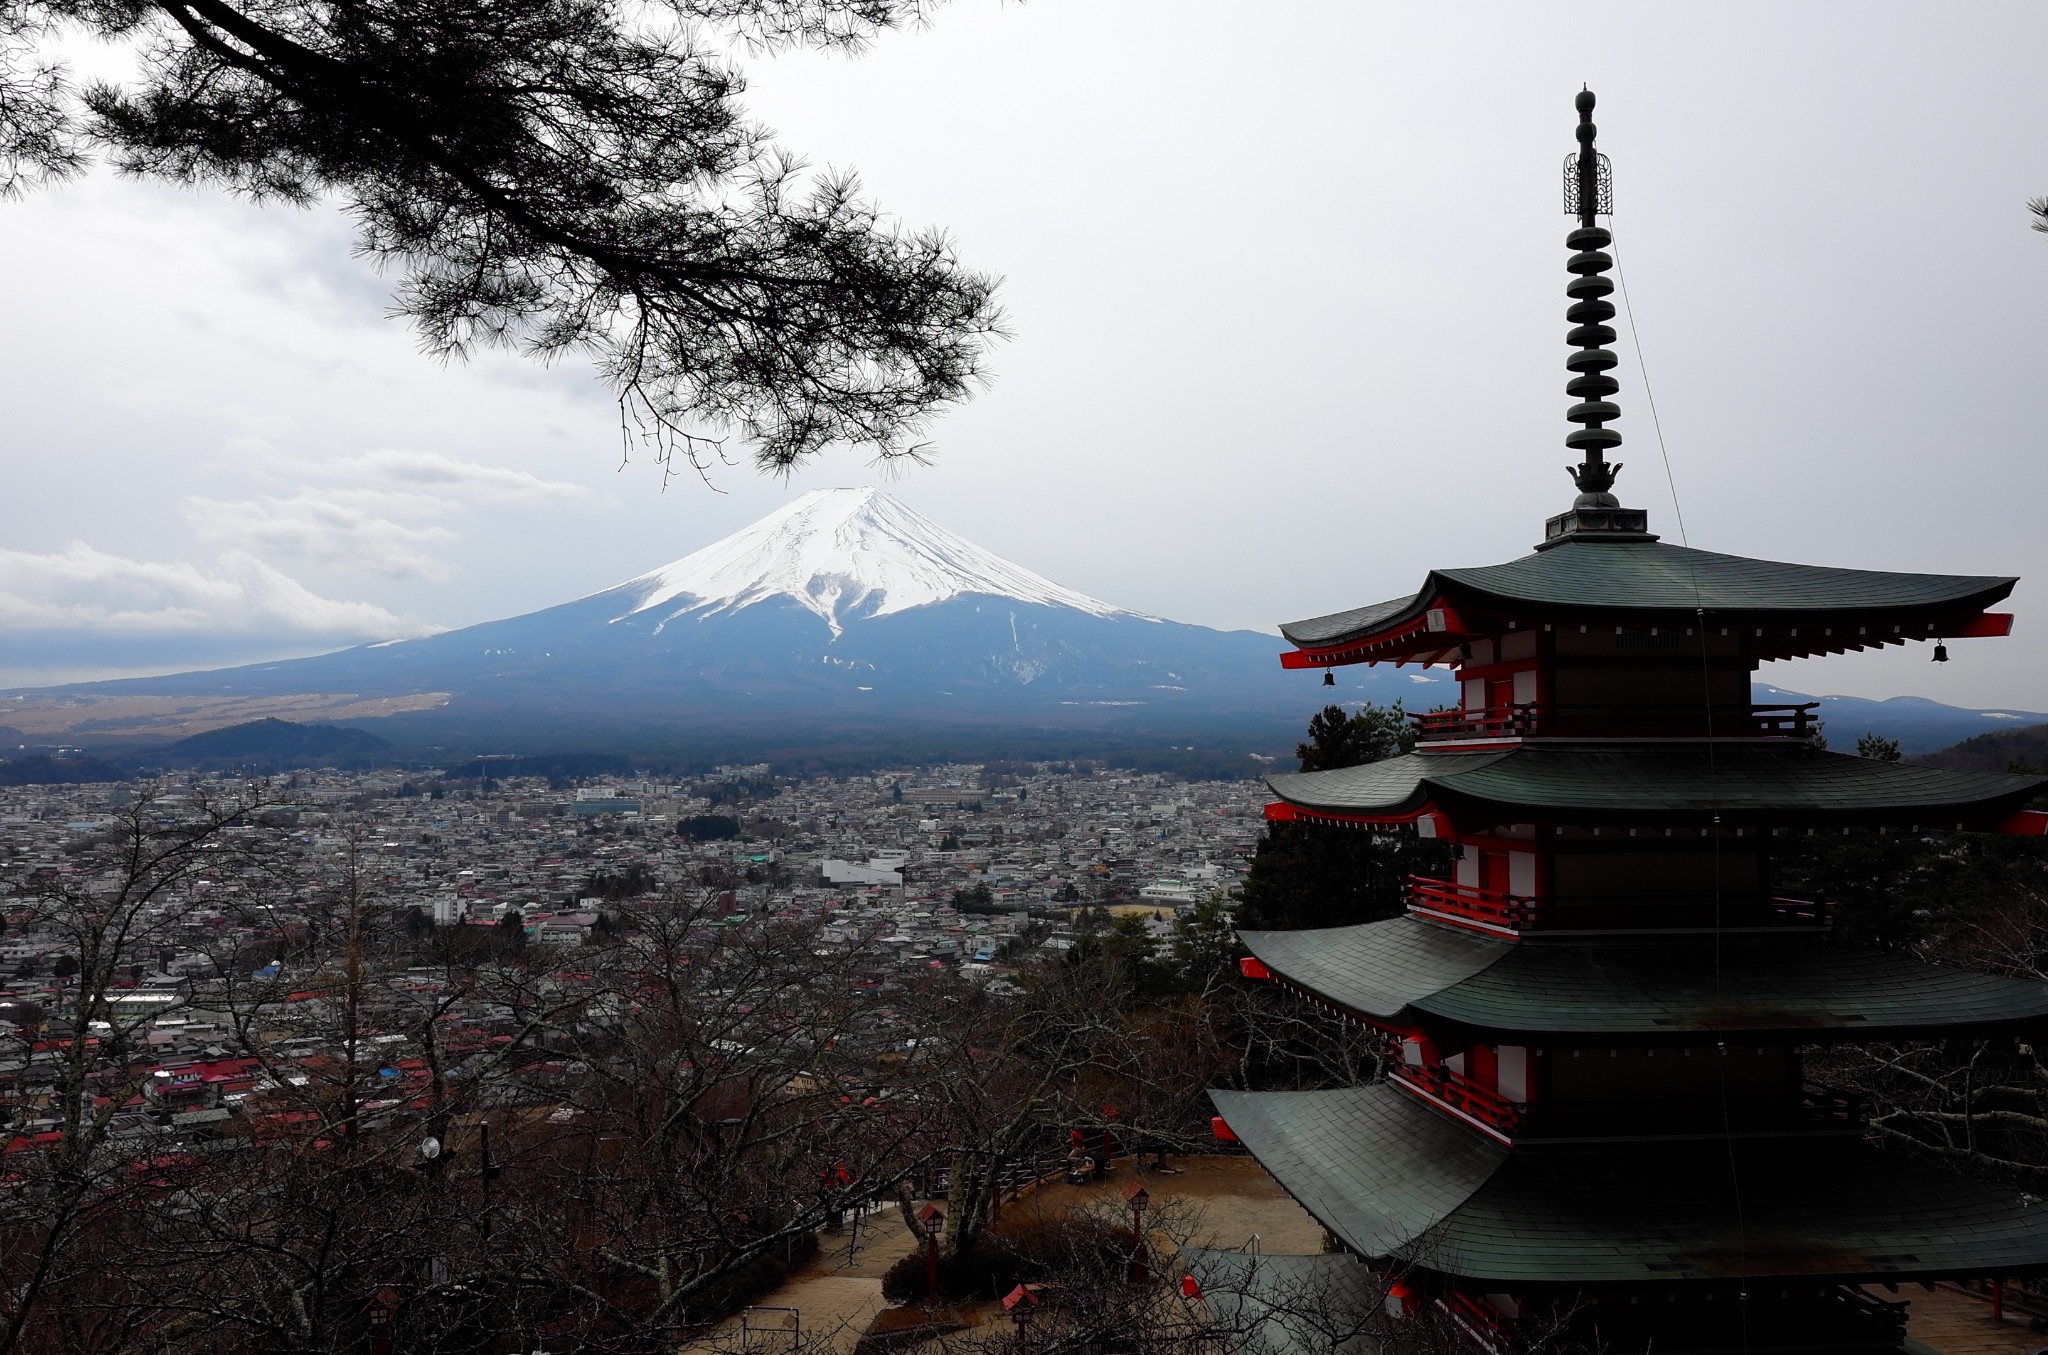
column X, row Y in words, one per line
column 1530, row 782
column 1396, row 1180
column 1651, row 581
column 1666, row 987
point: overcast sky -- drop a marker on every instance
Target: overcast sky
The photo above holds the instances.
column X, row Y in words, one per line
column 1287, row 284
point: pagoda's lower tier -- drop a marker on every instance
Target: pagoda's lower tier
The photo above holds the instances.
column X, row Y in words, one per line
column 1801, row 988
column 1732, row 785
column 1407, row 1187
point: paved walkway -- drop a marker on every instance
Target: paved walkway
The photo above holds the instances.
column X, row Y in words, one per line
column 1215, row 1201
column 1223, row 1201
column 834, row 1298
column 1956, row 1323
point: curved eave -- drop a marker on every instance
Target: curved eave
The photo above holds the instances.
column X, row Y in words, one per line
column 1620, row 785
column 1784, row 610
column 1390, row 789
column 1667, row 990
column 1406, row 630
column 1397, row 1182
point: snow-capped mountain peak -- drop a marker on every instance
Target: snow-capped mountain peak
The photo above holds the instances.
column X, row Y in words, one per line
column 842, row 552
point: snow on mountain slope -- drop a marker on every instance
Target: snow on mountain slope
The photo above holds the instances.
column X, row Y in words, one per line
column 842, row 553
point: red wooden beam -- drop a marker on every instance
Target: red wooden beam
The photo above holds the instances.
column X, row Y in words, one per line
column 1985, row 625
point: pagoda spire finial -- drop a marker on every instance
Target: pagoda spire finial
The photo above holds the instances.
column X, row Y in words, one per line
column 1588, row 194
column 1589, row 190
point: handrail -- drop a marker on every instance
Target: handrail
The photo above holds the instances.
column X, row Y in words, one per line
column 1516, row 913
column 1530, row 718
column 1490, row 906
column 1488, row 1327
column 1461, row 1093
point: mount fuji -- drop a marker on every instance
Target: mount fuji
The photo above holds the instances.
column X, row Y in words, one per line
column 843, row 624
column 844, row 616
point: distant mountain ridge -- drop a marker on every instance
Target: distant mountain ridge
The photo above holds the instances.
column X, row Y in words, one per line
column 279, row 741
column 1920, row 725
column 845, row 615
column 2005, row 750
column 847, row 620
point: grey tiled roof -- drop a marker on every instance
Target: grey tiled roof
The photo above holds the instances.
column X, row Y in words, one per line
column 1323, row 630
column 1752, row 985
column 1792, row 779
column 1650, row 575
column 1377, row 968
column 1396, row 1180
column 1644, row 577
column 1375, row 1168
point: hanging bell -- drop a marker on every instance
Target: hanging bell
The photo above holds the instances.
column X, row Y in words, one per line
column 1329, row 678
column 1940, row 652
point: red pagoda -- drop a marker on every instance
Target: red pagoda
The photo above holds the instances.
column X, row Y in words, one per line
column 1595, row 1123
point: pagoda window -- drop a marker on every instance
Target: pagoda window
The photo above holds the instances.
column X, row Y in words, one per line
column 1522, row 874
column 1418, row 1051
column 1511, row 1072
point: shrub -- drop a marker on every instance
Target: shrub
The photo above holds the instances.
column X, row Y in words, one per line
column 987, row 1273
column 755, row 1280
column 1029, row 1249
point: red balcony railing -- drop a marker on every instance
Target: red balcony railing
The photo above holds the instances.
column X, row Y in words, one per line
column 1511, row 914
column 1484, row 1323
column 1461, row 1094
column 1533, row 720
column 1487, row 907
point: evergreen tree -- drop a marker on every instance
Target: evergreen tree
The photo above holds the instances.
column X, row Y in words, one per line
column 549, row 176
column 1312, row 875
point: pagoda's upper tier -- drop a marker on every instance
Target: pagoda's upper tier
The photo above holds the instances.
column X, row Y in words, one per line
column 1790, row 609
column 1676, row 991
column 1396, row 1180
column 1787, row 783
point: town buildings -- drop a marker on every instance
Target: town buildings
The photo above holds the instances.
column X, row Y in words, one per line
column 873, row 863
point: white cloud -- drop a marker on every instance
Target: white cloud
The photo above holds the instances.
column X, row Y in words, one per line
column 82, row 589
column 346, row 528
column 379, row 512
column 468, row 480
column 458, row 483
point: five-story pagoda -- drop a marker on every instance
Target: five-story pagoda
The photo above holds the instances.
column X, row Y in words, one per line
column 1596, row 1113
